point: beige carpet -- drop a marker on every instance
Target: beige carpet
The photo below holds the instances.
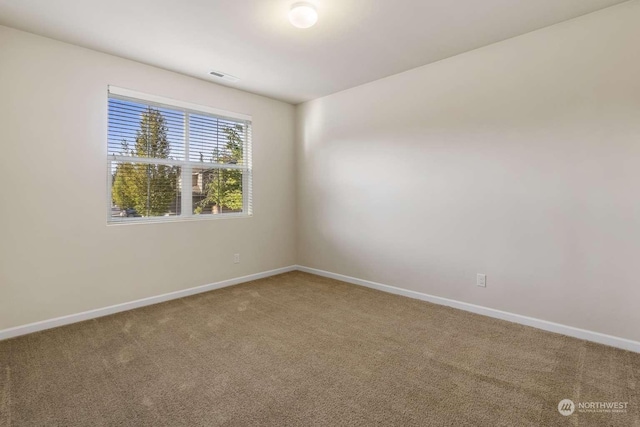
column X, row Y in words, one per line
column 298, row 349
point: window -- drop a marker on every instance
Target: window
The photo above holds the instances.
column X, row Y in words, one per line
column 168, row 160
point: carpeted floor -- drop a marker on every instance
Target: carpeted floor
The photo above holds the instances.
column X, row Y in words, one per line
column 298, row 349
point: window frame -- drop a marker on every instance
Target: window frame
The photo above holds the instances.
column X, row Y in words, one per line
column 186, row 165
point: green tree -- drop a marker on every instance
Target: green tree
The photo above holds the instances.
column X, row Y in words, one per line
column 123, row 186
column 148, row 188
column 224, row 189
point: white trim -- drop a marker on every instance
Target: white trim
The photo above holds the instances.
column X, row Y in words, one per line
column 173, row 162
column 99, row 312
column 118, row 220
column 571, row 331
column 128, row 93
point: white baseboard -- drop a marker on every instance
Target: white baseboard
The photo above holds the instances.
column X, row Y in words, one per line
column 92, row 314
column 583, row 334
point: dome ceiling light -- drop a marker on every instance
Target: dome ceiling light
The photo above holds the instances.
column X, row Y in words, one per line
column 303, row 15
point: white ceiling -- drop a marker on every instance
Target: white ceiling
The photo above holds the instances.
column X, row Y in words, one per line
column 354, row 41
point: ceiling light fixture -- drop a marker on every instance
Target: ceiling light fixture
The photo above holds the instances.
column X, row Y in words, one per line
column 303, row 15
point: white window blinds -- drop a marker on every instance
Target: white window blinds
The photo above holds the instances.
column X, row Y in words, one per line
column 170, row 160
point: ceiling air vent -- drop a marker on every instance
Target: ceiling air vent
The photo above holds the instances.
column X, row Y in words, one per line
column 224, row 76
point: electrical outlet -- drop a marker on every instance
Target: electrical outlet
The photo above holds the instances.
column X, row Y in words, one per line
column 481, row 280
column 236, row 258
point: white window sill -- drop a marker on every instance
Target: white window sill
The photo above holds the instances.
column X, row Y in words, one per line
column 161, row 219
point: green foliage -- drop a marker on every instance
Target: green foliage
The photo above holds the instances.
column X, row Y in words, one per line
column 151, row 140
column 234, row 144
column 149, row 189
column 224, row 188
column 123, row 185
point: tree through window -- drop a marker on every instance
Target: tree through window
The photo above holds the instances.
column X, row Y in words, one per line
column 169, row 162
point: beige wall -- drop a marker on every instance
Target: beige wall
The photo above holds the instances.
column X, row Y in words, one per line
column 520, row 160
column 57, row 255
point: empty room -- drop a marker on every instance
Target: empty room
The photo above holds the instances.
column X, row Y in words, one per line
column 320, row 213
